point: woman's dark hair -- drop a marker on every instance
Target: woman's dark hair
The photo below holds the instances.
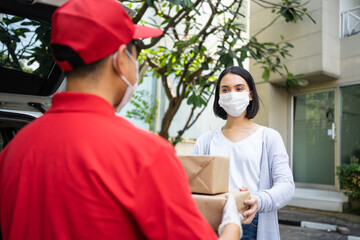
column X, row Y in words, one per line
column 253, row 106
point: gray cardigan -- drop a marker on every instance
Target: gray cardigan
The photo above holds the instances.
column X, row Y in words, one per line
column 276, row 180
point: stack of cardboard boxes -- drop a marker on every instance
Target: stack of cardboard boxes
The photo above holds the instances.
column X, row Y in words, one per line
column 209, row 181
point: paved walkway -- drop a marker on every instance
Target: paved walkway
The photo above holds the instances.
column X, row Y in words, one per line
column 347, row 225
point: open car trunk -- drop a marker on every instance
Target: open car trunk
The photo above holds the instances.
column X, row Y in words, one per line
column 28, row 74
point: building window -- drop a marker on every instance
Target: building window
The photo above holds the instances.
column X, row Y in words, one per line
column 350, row 18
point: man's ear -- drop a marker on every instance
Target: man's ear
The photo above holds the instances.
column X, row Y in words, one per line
column 120, row 59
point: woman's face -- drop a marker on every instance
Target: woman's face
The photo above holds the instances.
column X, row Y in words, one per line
column 233, row 83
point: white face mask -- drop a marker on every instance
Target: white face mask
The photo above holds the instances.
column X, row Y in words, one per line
column 234, row 103
column 131, row 88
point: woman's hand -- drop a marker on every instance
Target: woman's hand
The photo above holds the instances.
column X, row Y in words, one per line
column 253, row 206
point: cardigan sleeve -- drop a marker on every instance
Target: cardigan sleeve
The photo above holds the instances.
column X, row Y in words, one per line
column 281, row 183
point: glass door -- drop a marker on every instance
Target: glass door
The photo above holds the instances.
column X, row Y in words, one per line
column 350, row 123
column 314, row 135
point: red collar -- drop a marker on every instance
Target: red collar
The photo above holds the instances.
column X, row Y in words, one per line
column 80, row 102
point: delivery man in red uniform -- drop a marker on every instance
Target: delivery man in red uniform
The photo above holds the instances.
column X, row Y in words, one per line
column 80, row 171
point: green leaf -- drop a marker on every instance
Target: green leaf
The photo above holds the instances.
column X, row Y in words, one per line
column 289, row 45
column 150, row 3
column 190, row 100
column 205, row 66
column 253, row 54
column 169, row 68
column 239, row 60
column 243, row 55
column 226, row 60
column 180, row 44
column 277, row 60
column 187, row 4
column 165, row 21
column 313, row 20
column 197, row 101
column 266, row 74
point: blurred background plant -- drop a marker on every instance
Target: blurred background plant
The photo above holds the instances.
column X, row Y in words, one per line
column 145, row 110
column 349, row 177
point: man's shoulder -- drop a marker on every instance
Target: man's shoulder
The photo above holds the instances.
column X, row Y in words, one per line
column 141, row 135
column 153, row 137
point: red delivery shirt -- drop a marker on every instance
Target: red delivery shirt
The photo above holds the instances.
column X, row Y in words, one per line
column 81, row 172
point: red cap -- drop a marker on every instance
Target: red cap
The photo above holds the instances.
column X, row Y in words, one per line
column 95, row 29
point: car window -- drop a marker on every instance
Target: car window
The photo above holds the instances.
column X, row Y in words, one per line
column 26, row 60
column 24, row 45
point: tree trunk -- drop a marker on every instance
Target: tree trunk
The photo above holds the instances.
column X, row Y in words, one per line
column 172, row 109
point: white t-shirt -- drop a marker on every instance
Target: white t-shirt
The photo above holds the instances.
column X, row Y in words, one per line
column 244, row 158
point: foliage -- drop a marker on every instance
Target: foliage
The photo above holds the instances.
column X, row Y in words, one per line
column 25, row 45
column 144, row 110
column 349, row 176
column 200, row 39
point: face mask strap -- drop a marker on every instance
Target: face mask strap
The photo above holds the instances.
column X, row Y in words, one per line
column 130, row 56
column 136, row 65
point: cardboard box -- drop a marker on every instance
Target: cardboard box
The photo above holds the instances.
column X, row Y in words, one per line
column 206, row 174
column 211, row 206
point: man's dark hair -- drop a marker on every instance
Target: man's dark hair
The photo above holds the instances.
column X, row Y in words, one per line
column 130, row 45
column 80, row 68
column 253, row 106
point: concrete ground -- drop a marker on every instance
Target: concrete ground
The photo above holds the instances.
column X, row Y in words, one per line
column 333, row 225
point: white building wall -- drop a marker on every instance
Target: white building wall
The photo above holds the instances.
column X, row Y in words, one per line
column 327, row 62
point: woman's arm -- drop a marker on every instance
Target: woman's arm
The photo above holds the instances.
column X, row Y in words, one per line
column 283, row 187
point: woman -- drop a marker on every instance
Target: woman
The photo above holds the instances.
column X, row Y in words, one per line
column 258, row 158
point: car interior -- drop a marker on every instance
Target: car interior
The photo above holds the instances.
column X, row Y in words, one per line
column 10, row 124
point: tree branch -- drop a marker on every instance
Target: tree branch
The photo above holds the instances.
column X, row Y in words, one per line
column 186, row 67
column 176, row 34
column 269, row 3
column 211, row 18
column 140, row 13
column 168, row 91
column 267, row 26
column 165, row 80
column 11, row 50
